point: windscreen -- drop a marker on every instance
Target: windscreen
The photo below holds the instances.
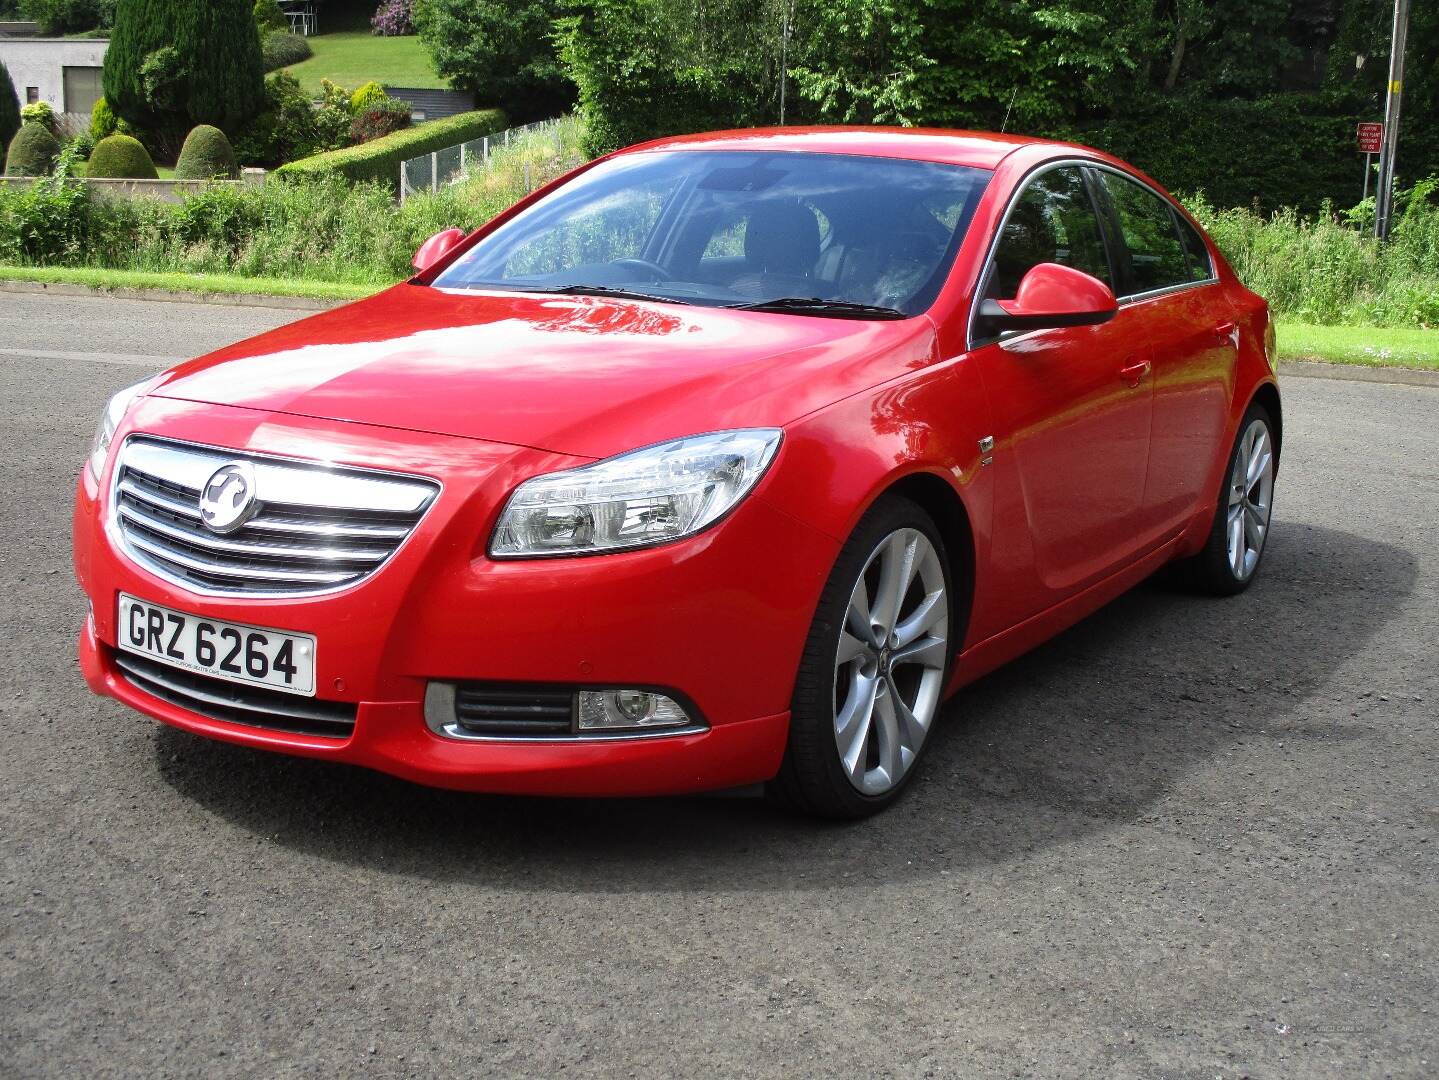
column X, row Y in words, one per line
column 739, row 229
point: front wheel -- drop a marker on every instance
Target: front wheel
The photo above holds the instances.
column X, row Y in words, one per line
column 1240, row 529
column 873, row 670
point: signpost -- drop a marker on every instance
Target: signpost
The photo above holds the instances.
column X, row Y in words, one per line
column 1371, row 141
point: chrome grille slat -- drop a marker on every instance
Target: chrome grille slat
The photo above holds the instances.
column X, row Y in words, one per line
column 201, row 538
column 288, row 547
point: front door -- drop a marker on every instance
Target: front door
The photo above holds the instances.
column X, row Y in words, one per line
column 1072, row 412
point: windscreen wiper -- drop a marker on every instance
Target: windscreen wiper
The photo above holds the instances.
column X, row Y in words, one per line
column 579, row 289
column 814, row 305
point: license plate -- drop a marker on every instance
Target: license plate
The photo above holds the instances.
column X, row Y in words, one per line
column 256, row 655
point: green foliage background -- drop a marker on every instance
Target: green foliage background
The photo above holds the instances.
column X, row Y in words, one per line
column 1249, row 100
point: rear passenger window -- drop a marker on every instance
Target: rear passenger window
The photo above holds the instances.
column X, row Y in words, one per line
column 1053, row 221
column 1201, row 268
column 1156, row 257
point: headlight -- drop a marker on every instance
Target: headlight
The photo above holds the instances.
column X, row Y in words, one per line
column 110, row 419
column 645, row 497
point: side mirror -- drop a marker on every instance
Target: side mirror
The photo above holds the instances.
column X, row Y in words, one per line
column 1049, row 296
column 436, row 248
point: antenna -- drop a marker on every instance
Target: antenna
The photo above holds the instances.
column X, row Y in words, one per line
column 1013, row 93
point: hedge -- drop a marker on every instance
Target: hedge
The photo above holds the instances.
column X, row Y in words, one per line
column 380, row 159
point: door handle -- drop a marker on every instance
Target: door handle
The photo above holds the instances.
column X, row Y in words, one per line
column 1134, row 372
column 1228, row 333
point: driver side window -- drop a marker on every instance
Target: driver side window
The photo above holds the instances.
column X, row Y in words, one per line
column 1054, row 220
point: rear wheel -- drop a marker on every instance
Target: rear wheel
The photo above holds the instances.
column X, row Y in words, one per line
column 1240, row 530
column 874, row 667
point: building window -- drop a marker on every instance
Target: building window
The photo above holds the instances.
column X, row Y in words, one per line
column 32, row 95
column 82, row 89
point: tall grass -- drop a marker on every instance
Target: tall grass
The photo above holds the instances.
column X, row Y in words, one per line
column 1330, row 270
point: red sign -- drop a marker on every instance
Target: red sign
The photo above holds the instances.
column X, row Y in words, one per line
column 1371, row 136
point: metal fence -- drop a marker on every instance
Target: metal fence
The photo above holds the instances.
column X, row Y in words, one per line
column 430, row 172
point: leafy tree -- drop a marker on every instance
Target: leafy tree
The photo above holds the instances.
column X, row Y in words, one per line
column 174, row 63
column 9, row 109
column 57, row 17
column 503, row 50
column 269, row 18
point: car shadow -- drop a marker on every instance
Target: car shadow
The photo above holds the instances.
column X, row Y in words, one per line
column 1083, row 734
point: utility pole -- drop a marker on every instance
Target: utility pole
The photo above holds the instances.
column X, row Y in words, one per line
column 1384, row 194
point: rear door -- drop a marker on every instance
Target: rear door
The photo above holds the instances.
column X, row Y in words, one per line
column 1071, row 412
column 1175, row 302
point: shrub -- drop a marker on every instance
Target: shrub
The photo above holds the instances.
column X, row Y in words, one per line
column 369, row 96
column 47, row 222
column 121, row 157
column 269, row 18
column 380, row 120
column 206, row 155
column 392, row 19
column 32, row 152
column 9, row 109
column 283, row 49
column 290, row 127
column 102, row 120
column 39, row 112
column 380, row 160
column 83, row 145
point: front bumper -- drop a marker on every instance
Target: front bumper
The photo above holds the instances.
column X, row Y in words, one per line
column 721, row 617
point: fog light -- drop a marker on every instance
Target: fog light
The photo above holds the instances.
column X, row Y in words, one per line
column 622, row 710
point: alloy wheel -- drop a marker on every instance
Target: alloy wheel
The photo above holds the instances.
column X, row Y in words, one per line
column 1251, row 495
column 890, row 665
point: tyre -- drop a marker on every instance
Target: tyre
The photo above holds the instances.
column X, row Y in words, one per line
column 873, row 670
column 1237, row 538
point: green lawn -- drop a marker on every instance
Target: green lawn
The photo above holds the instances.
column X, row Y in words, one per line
column 1366, row 345
column 353, row 57
column 196, row 283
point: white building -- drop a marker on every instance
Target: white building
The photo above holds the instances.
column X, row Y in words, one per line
column 63, row 71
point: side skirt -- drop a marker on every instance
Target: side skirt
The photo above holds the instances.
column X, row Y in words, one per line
column 983, row 657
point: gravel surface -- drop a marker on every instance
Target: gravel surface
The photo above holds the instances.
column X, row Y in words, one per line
column 1189, row 838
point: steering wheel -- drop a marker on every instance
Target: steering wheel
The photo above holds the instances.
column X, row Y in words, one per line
column 655, row 270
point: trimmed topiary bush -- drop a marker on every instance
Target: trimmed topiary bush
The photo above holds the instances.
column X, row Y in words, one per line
column 121, row 157
column 380, row 160
column 282, row 50
column 367, row 97
column 32, row 152
column 206, row 155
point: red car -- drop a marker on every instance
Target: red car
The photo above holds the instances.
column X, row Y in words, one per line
column 723, row 460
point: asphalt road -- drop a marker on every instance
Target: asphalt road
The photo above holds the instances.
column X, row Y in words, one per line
column 1189, row 838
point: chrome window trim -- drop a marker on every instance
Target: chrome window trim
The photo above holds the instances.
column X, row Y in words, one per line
column 1019, row 190
column 440, row 719
column 118, row 541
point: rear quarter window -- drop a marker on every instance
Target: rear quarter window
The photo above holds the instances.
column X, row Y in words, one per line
column 1155, row 255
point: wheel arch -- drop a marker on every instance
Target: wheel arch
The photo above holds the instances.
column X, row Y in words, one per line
column 943, row 504
column 1267, row 394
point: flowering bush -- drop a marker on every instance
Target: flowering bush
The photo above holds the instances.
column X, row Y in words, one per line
column 392, row 19
column 379, row 120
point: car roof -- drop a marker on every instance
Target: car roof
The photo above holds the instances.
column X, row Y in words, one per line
column 977, row 149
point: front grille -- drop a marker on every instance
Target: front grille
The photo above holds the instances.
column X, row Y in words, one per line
column 315, row 529
column 237, row 704
column 514, row 711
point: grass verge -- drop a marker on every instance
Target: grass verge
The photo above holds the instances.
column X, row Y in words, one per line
column 1368, row 346
column 195, row 283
